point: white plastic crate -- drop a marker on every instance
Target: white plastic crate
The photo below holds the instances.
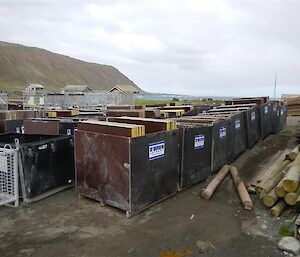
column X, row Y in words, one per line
column 9, row 191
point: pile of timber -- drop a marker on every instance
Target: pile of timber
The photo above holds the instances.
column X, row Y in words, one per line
column 278, row 186
column 293, row 105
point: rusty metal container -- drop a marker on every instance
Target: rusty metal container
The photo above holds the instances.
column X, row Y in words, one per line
column 128, row 173
column 46, row 164
column 50, row 126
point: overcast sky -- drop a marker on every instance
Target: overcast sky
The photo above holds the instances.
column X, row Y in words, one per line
column 192, row 47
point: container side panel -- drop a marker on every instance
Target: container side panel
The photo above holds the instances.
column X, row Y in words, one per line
column 102, row 163
column 47, row 165
column 195, row 155
column 154, row 168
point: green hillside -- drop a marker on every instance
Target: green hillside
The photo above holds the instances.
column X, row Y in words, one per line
column 20, row 65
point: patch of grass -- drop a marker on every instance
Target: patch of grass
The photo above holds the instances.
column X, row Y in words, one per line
column 286, row 230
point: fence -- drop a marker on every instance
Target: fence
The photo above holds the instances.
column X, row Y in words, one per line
column 85, row 100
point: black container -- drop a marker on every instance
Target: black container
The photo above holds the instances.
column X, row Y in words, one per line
column 282, row 115
column 237, row 135
column 251, row 120
column 275, row 117
column 194, row 154
column 265, row 119
column 221, row 149
column 46, row 164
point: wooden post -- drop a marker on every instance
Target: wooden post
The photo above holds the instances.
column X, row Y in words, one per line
column 277, row 209
column 291, row 181
column 270, row 199
column 210, row 189
column 241, row 188
column 291, row 198
column 272, row 182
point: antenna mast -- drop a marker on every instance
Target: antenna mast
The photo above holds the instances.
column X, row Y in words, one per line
column 275, row 85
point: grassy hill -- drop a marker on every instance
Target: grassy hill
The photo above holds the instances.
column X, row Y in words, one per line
column 20, row 65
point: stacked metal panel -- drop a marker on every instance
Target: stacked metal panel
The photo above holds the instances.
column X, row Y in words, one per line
column 264, row 111
column 251, row 119
column 130, row 173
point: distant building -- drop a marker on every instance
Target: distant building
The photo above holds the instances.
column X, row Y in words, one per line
column 76, row 89
column 33, row 88
column 124, row 89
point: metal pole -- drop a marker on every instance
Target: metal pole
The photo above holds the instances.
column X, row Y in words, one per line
column 275, row 85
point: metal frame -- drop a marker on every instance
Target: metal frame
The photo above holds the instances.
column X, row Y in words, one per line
column 9, row 186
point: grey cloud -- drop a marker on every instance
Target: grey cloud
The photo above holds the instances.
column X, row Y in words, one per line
column 193, row 47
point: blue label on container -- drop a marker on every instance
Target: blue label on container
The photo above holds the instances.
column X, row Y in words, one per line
column 156, row 150
column 199, row 141
column 237, row 124
column 252, row 116
column 222, row 132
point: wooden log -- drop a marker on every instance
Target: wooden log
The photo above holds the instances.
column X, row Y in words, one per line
column 270, row 199
column 241, row 188
column 272, row 182
column 297, row 207
column 291, row 181
column 291, row 156
column 272, row 170
column 277, row 209
column 279, row 190
column 262, row 172
column 291, row 198
column 210, row 189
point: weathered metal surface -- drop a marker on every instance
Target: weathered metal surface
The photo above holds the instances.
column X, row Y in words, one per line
column 251, row 119
column 237, row 135
column 47, row 162
column 265, row 119
column 41, row 127
column 102, row 167
column 283, row 114
column 130, row 113
column 11, row 126
column 153, row 179
column 195, row 145
column 111, row 128
column 26, row 114
column 221, row 149
column 275, row 117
